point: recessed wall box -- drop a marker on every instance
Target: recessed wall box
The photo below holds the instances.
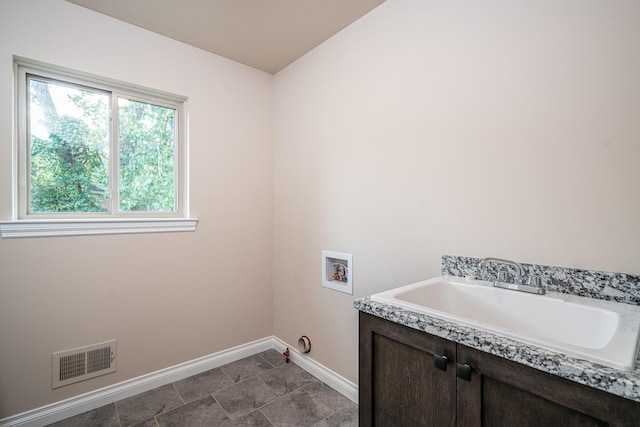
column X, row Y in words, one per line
column 337, row 271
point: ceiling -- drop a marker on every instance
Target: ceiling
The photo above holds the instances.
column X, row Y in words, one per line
column 265, row 34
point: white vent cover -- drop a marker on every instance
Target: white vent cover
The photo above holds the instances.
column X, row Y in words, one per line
column 79, row 364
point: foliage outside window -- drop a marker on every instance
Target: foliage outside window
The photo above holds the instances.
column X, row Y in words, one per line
column 92, row 148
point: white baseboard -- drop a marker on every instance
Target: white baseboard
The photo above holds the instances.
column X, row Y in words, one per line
column 324, row 374
column 86, row 402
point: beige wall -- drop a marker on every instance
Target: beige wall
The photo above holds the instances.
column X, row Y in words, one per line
column 498, row 128
column 166, row 298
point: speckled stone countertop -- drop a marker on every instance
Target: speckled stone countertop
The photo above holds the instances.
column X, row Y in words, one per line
column 621, row 383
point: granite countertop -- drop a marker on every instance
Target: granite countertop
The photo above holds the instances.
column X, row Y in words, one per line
column 621, row 383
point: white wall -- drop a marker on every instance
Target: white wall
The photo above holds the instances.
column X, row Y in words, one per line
column 499, row 128
column 167, row 298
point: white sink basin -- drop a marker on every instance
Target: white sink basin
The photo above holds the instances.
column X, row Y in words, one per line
column 603, row 332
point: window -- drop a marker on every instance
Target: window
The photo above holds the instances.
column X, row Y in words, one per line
column 97, row 152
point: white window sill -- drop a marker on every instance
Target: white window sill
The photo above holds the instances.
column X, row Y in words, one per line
column 87, row 227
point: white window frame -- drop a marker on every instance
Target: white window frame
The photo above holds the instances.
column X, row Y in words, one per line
column 23, row 224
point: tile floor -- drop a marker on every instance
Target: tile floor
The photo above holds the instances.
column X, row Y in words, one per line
column 260, row 390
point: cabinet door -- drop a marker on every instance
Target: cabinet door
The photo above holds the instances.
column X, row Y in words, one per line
column 505, row 393
column 399, row 382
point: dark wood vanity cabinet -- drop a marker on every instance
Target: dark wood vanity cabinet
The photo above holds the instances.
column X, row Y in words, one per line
column 403, row 383
column 399, row 383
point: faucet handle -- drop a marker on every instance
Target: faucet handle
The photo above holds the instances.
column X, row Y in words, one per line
column 502, row 276
column 536, row 281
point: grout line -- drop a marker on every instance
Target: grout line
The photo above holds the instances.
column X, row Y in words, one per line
column 265, row 416
column 222, row 407
column 179, row 395
column 263, row 358
column 226, row 375
column 115, row 405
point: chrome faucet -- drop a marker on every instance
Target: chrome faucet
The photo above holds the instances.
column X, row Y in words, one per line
column 534, row 285
column 519, row 272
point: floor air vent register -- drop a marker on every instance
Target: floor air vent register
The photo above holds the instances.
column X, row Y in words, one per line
column 79, row 364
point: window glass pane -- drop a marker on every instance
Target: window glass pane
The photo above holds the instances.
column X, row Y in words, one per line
column 146, row 157
column 68, row 148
